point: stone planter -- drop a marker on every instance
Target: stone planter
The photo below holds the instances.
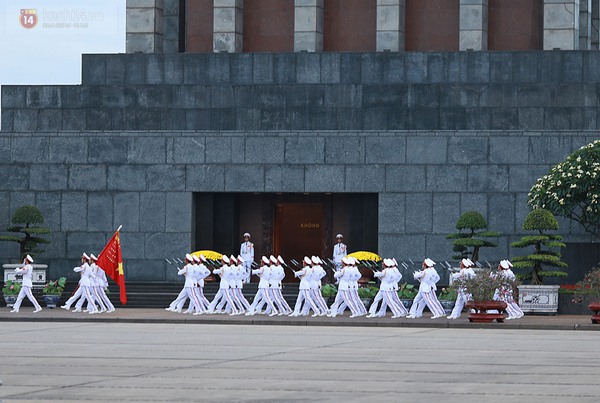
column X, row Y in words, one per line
column 481, row 308
column 406, row 302
column 51, row 300
column 448, row 305
column 539, row 298
column 595, row 307
column 10, row 300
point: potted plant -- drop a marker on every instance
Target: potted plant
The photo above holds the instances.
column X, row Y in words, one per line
column 10, row 291
column 407, row 293
column 482, row 288
column 27, row 220
column 447, row 298
column 329, row 291
column 52, row 292
column 590, row 286
column 468, row 243
column 367, row 294
column 536, row 297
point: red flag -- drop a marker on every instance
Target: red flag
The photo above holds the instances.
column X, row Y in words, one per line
column 111, row 261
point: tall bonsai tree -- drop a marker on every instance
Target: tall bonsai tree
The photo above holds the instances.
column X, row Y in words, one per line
column 572, row 188
column 27, row 220
column 540, row 220
column 468, row 243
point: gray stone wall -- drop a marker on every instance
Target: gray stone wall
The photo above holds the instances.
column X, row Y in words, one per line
column 554, row 90
column 88, row 183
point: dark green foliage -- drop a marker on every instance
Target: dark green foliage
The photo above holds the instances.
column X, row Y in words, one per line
column 467, row 244
column 539, row 220
column 29, row 217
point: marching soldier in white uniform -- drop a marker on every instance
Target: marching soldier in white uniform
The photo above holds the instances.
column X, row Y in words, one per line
column 339, row 251
column 397, row 276
column 224, row 292
column 304, row 295
column 201, row 274
column 264, row 273
column 506, row 294
column 190, row 273
column 356, row 275
column 278, row 274
column 343, row 298
column 79, row 292
column 317, row 276
column 95, row 284
column 247, row 254
column 102, row 283
column 27, row 272
column 86, row 284
column 466, row 272
column 177, row 304
column 428, row 277
column 241, row 278
column 385, row 293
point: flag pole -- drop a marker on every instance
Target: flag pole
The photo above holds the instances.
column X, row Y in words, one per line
column 119, row 229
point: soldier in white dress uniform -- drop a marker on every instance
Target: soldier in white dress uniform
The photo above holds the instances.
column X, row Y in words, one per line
column 201, row 274
column 224, row 292
column 27, row 272
column 356, row 275
column 428, row 277
column 177, row 304
column 466, row 272
column 190, row 272
column 317, row 276
column 86, row 283
column 95, row 284
column 339, row 251
column 278, row 274
column 343, row 298
column 247, row 254
column 304, row 295
column 397, row 276
column 385, row 294
column 240, row 278
column 264, row 273
column 79, row 292
column 102, row 284
column 506, row 294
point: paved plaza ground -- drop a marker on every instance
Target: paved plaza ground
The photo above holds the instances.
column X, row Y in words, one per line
column 47, row 360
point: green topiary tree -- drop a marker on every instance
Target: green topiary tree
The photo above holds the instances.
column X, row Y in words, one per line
column 27, row 220
column 572, row 188
column 467, row 244
column 540, row 220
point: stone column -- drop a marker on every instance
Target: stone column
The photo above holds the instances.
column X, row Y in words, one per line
column 585, row 24
column 171, row 26
column 391, row 23
column 473, row 25
column 308, row 25
column 228, row 26
column 561, row 24
column 144, row 26
column 595, row 24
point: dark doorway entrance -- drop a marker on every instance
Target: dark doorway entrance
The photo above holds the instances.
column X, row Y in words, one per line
column 292, row 225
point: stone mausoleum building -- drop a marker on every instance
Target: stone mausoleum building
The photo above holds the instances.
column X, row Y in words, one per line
column 298, row 119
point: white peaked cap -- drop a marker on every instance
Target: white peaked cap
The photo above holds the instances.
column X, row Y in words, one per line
column 339, row 236
column 196, row 258
column 273, row 259
column 395, row 261
column 265, row 259
column 233, row 259
column 189, row 257
column 240, row 259
column 29, row 258
column 202, row 258
column 388, row 262
column 346, row 260
column 353, row 260
column 247, row 234
column 467, row 262
column 307, row 260
column 85, row 256
column 315, row 260
column 225, row 259
column 280, row 259
column 429, row 263
column 94, row 258
column 506, row 264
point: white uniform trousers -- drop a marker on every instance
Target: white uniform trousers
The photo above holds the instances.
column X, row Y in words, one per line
column 432, row 303
column 26, row 292
column 245, row 305
column 178, row 302
column 230, row 304
column 358, row 302
column 87, row 296
column 282, row 304
column 104, row 298
column 342, row 300
column 315, row 294
column 195, row 303
column 512, row 309
column 387, row 299
column 418, row 304
column 394, row 296
column 262, row 296
column 461, row 300
column 97, row 299
column 223, row 296
column 247, row 271
column 78, row 293
column 304, row 297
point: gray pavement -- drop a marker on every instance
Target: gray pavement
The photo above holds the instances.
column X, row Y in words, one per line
column 113, row 361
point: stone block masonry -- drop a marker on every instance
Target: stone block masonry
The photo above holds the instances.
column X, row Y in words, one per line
column 88, row 182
